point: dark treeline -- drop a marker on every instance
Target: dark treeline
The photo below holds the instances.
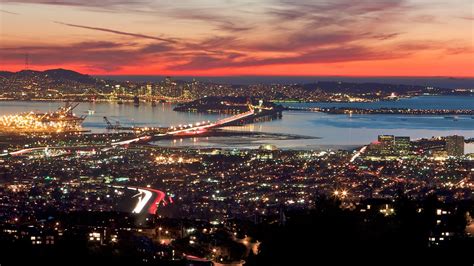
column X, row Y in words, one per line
column 327, row 234
column 330, row 233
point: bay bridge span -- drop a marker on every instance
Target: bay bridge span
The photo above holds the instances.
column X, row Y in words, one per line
column 199, row 128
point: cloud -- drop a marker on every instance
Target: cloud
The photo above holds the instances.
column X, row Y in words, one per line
column 232, row 27
column 306, row 25
column 235, row 34
column 347, row 53
column 296, row 9
column 82, row 3
column 328, row 55
column 310, row 39
column 215, row 44
column 131, row 34
column 96, row 55
column 471, row 17
column 212, row 16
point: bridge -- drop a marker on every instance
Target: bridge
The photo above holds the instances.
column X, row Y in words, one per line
column 199, row 128
column 182, row 130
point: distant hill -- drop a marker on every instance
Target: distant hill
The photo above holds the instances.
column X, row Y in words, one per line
column 69, row 75
column 6, row 74
column 56, row 75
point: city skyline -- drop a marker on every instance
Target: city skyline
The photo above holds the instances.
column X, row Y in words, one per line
column 292, row 38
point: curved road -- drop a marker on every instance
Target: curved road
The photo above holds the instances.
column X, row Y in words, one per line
column 148, row 200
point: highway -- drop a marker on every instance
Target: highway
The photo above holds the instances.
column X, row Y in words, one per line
column 148, row 200
column 104, row 147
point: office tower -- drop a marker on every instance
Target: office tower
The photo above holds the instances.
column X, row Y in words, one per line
column 403, row 144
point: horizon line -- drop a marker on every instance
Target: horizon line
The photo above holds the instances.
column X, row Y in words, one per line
column 287, row 76
column 251, row 75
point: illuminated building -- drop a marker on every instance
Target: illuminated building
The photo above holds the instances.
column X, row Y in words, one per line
column 403, row 144
column 267, row 152
column 149, row 90
column 387, row 143
column 386, row 139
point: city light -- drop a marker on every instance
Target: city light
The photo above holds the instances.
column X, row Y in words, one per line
column 234, row 161
column 63, row 120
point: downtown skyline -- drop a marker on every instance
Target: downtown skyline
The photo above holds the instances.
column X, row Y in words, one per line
column 215, row 38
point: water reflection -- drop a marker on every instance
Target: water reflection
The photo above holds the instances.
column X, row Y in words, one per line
column 332, row 130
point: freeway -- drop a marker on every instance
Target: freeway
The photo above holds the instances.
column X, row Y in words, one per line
column 358, row 154
column 104, row 147
column 148, row 200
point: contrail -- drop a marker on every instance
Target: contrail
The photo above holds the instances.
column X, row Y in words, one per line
column 138, row 35
column 8, row 12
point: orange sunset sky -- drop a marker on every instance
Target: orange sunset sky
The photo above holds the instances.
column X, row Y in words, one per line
column 244, row 37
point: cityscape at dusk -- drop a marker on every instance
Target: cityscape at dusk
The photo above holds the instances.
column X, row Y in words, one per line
column 236, row 133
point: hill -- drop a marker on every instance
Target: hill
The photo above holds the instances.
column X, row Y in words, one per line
column 55, row 75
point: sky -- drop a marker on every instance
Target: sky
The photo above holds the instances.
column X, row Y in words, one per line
column 240, row 37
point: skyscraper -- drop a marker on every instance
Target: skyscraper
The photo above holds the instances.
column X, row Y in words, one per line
column 387, row 144
column 403, row 144
column 455, row 145
column 387, row 139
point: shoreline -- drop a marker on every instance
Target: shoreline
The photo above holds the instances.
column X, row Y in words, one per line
column 385, row 111
column 273, row 101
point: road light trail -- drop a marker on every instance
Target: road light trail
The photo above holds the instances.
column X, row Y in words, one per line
column 104, row 147
column 126, row 142
column 358, row 154
column 160, row 196
column 142, row 201
column 151, row 197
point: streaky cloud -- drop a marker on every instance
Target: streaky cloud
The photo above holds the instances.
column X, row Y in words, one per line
column 8, row 12
column 131, row 34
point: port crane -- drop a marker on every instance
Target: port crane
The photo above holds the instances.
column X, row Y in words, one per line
column 115, row 126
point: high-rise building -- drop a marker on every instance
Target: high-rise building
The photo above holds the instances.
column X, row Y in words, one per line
column 387, row 139
column 403, row 144
column 455, row 145
column 387, row 144
column 149, row 90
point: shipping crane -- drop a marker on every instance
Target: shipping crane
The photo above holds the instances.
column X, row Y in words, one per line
column 111, row 126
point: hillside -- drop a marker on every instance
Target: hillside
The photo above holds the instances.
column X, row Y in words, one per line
column 53, row 75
